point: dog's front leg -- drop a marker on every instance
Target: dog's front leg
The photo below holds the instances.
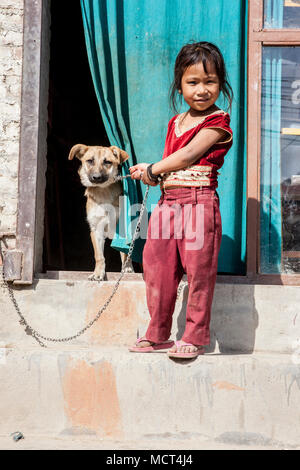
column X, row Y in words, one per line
column 129, row 266
column 98, row 241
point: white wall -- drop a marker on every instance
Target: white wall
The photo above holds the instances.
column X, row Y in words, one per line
column 11, row 49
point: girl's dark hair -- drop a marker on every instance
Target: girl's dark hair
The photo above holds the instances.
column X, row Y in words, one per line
column 194, row 53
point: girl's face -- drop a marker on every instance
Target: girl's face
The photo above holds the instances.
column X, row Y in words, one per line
column 199, row 89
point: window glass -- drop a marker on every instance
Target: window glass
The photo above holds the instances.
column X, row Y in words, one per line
column 281, row 14
column 280, row 161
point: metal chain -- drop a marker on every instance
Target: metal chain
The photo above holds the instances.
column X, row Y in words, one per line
column 182, row 285
column 37, row 336
column 22, row 321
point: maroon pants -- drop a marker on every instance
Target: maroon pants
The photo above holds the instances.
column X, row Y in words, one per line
column 184, row 236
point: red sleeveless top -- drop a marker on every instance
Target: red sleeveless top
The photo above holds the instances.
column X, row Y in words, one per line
column 203, row 172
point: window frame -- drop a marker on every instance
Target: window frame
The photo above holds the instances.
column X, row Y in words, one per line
column 258, row 37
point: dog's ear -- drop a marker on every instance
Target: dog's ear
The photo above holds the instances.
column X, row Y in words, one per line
column 77, row 151
column 121, row 154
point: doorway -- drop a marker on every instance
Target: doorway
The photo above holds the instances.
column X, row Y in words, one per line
column 73, row 117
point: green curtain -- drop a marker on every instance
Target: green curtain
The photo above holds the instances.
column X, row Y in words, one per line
column 132, row 46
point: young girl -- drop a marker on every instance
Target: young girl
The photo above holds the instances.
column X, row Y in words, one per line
column 196, row 144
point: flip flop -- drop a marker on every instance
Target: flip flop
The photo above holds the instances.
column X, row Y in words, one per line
column 152, row 348
column 185, row 355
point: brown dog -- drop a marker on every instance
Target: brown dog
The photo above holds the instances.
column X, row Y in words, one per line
column 99, row 167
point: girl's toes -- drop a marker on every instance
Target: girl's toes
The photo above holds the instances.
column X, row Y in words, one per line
column 144, row 344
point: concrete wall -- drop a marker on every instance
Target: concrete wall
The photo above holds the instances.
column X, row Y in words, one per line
column 245, row 318
column 245, row 390
column 11, row 44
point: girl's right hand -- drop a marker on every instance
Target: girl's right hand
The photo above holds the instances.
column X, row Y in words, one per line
column 137, row 170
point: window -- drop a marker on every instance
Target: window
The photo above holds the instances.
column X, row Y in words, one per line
column 280, row 164
column 274, row 141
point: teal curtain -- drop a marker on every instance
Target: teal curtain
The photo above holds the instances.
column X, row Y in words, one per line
column 132, row 46
column 270, row 191
column 273, row 13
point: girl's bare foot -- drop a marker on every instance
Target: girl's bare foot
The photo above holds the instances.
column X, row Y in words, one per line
column 181, row 346
column 144, row 345
column 184, row 350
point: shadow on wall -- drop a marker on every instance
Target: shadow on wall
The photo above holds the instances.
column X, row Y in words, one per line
column 234, row 317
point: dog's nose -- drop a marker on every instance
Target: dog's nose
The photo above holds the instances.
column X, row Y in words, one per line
column 98, row 178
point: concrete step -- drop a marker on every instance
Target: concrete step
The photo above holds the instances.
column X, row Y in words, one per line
column 109, row 393
column 245, row 318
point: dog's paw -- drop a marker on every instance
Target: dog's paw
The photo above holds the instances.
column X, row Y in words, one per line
column 129, row 269
column 97, row 277
column 127, row 263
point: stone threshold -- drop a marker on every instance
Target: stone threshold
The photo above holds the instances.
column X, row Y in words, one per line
column 113, row 276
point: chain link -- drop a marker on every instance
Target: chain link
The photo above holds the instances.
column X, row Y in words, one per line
column 37, row 336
